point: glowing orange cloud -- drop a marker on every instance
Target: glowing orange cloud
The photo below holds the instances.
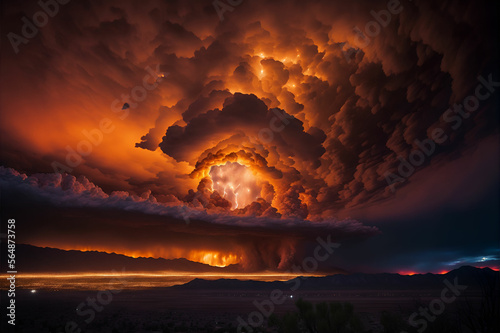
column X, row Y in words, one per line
column 213, row 258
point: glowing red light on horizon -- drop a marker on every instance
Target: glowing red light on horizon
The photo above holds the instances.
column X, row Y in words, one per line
column 495, row 268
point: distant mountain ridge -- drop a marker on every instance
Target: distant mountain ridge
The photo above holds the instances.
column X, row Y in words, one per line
column 50, row 260
column 470, row 276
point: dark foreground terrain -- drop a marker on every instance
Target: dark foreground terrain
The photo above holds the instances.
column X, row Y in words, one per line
column 239, row 306
column 164, row 310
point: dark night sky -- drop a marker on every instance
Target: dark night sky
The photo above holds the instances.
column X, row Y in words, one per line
column 318, row 102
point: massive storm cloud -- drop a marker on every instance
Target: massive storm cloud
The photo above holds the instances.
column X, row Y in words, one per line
column 257, row 111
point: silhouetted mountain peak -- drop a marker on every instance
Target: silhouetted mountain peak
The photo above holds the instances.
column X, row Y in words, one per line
column 470, row 276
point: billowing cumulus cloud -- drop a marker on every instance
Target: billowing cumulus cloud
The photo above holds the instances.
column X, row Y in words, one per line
column 169, row 230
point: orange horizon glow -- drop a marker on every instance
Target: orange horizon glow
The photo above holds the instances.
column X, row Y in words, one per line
column 132, row 279
column 209, row 257
column 444, row 271
column 161, row 273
